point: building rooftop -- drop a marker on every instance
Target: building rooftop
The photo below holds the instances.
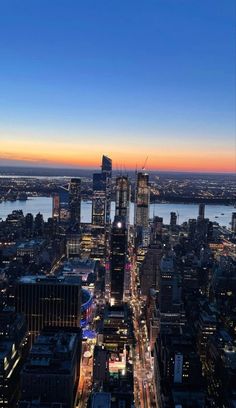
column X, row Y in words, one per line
column 5, row 348
column 53, row 352
column 30, row 244
column 30, row 279
column 101, row 400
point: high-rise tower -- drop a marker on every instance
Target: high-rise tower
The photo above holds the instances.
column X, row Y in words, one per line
column 107, row 170
column 233, row 222
column 201, row 211
column 122, row 197
column 75, row 200
column 118, row 259
column 101, row 208
column 99, row 199
column 142, row 200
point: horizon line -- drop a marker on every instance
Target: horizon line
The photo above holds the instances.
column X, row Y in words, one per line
column 23, row 166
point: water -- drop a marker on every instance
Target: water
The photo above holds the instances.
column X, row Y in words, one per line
column 184, row 211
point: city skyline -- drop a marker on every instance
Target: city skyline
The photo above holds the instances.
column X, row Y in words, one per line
column 132, row 80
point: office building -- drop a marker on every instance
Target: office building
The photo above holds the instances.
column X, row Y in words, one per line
column 51, row 372
column 38, row 225
column 170, row 289
column 29, row 224
column 173, row 219
column 13, row 350
column 178, row 370
column 142, row 200
column 55, row 206
column 156, row 229
column 100, row 365
column 233, row 222
column 73, row 244
column 107, row 170
column 150, row 269
column 61, row 207
column 75, row 200
column 122, row 197
column 201, row 211
column 99, row 202
column 118, row 253
column 49, row 301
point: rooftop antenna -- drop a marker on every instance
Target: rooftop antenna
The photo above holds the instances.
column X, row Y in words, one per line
column 144, row 164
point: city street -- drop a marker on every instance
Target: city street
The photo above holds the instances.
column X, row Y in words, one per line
column 143, row 370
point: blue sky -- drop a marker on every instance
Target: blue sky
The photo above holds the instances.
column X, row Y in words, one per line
column 154, row 74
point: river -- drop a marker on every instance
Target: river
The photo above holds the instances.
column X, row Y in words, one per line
column 184, row 211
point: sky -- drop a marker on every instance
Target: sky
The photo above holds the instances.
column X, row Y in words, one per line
column 127, row 78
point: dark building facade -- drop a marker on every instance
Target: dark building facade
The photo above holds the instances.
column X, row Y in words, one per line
column 75, row 200
column 99, row 205
column 49, row 301
column 13, row 350
column 142, row 200
column 100, row 365
column 107, row 170
column 118, row 259
column 122, row 197
column 51, row 372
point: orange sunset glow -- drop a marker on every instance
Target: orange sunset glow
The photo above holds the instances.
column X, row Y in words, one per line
column 55, row 154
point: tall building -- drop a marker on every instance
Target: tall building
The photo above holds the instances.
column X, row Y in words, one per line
column 142, row 200
column 100, row 365
column 38, row 224
column 156, row 229
column 51, row 372
column 233, row 223
column 122, row 197
column 201, row 211
column 75, row 200
column 173, row 219
column 118, row 259
column 169, row 287
column 107, row 170
column 150, row 269
column 61, row 206
column 13, row 350
column 49, row 301
column 29, row 224
column 99, row 202
column 73, row 240
column 55, row 206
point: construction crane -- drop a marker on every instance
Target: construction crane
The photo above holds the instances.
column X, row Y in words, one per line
column 144, row 164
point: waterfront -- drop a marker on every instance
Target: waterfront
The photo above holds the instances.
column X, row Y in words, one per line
column 184, row 211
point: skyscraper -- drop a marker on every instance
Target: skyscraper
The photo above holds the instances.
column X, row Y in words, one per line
column 201, row 211
column 99, row 204
column 56, row 206
column 118, row 259
column 169, row 287
column 75, row 200
column 122, row 197
column 142, row 200
column 233, row 222
column 107, row 169
column 61, row 208
column 49, row 301
column 173, row 219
